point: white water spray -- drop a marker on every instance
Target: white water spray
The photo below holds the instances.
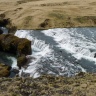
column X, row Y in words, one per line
column 60, row 51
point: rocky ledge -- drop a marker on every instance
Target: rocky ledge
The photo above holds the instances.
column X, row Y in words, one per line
column 18, row 46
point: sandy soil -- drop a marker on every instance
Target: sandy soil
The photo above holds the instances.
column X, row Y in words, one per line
column 40, row 14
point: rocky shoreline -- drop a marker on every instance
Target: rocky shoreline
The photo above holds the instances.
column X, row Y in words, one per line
column 83, row 84
column 14, row 45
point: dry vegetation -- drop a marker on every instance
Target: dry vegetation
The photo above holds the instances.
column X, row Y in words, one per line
column 81, row 85
column 37, row 14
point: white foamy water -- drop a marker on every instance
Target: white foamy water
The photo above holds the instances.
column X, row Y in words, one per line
column 61, row 51
column 8, row 59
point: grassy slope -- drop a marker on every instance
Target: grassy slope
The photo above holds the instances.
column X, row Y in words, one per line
column 82, row 85
column 36, row 14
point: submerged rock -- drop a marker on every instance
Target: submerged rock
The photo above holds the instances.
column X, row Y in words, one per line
column 4, row 70
column 95, row 55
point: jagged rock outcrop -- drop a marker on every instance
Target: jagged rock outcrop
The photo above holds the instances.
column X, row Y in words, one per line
column 21, row 61
column 4, row 70
column 18, row 46
column 15, row 45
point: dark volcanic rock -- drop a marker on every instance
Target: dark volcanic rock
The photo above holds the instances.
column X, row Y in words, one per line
column 21, row 61
column 18, row 46
column 4, row 22
column 1, row 32
column 15, row 70
column 4, row 70
column 15, row 45
column 95, row 55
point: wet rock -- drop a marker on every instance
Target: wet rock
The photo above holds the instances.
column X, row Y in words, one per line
column 4, row 70
column 15, row 70
column 95, row 55
column 18, row 46
column 1, row 32
column 81, row 74
column 21, row 61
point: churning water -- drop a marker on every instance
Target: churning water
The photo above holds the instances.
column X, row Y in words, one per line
column 61, row 51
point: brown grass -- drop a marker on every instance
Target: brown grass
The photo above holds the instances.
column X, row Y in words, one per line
column 31, row 14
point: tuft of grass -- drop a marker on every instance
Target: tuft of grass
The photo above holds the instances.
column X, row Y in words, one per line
column 86, row 19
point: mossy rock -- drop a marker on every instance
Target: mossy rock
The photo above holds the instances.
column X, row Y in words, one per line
column 18, row 46
column 24, row 47
column 21, row 61
column 15, row 45
column 4, row 70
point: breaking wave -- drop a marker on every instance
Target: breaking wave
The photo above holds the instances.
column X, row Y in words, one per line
column 61, row 51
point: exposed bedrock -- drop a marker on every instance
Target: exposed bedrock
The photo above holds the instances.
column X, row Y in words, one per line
column 18, row 46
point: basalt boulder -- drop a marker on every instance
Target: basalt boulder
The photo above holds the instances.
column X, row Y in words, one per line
column 4, row 70
column 21, row 61
column 12, row 44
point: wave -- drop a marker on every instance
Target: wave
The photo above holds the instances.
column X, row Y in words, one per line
column 61, row 51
